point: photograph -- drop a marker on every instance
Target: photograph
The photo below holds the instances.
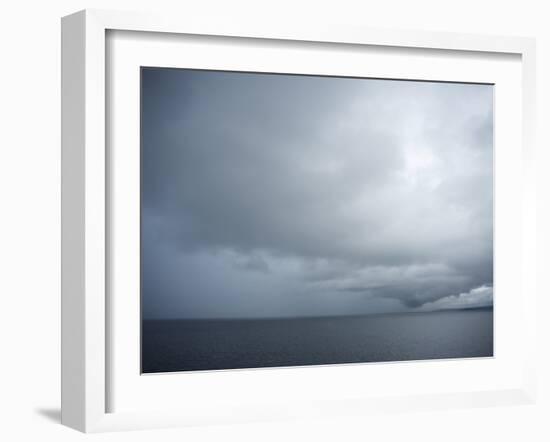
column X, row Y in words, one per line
column 294, row 220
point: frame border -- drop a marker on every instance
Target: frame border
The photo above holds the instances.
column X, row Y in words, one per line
column 84, row 202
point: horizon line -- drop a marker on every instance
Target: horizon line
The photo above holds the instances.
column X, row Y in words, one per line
column 267, row 318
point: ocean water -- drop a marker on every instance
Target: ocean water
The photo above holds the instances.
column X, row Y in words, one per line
column 184, row 345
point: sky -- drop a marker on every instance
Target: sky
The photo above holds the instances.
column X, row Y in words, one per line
column 268, row 195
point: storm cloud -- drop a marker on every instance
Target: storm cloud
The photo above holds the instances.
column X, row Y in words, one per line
column 282, row 195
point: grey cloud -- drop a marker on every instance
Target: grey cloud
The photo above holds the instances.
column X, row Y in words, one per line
column 349, row 192
column 476, row 297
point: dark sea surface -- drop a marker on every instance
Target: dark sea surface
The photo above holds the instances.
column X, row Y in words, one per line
column 183, row 345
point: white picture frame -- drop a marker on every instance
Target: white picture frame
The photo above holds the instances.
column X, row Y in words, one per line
column 86, row 317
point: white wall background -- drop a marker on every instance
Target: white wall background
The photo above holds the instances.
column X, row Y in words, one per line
column 30, row 221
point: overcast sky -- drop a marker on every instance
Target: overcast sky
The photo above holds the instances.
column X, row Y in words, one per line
column 277, row 195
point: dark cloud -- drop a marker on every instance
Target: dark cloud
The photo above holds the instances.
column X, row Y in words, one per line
column 269, row 195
